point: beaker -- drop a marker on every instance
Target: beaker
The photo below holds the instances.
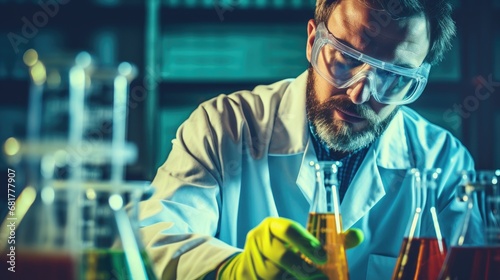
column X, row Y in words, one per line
column 475, row 255
column 79, row 233
column 109, row 240
column 325, row 220
column 423, row 248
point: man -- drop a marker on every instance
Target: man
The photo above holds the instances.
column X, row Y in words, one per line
column 244, row 157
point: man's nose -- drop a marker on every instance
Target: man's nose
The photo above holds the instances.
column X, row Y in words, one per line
column 359, row 92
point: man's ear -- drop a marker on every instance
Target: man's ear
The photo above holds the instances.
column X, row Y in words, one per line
column 311, row 34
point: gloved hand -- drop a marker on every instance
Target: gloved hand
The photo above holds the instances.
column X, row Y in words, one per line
column 271, row 252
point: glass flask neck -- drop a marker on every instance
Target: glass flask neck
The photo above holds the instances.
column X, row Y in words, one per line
column 326, row 193
column 424, row 222
column 325, row 222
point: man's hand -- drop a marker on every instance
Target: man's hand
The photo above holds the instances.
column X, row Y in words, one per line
column 272, row 252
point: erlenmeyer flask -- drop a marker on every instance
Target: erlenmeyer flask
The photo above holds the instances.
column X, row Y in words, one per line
column 423, row 249
column 325, row 220
column 475, row 254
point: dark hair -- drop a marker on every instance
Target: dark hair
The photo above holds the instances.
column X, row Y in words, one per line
column 437, row 12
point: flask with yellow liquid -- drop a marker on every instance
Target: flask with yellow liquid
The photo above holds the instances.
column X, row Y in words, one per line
column 325, row 220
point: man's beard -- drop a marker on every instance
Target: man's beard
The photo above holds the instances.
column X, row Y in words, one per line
column 337, row 134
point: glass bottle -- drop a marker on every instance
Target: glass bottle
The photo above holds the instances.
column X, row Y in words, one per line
column 423, row 249
column 325, row 220
column 75, row 215
column 475, row 254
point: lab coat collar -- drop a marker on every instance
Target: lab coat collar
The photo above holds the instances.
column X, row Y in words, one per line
column 365, row 190
column 290, row 133
column 392, row 147
column 389, row 151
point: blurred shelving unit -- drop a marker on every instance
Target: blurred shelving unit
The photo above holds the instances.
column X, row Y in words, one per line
column 203, row 48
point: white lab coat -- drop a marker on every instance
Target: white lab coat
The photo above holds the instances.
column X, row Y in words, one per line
column 245, row 156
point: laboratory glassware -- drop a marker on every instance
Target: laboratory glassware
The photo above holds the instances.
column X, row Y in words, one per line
column 475, row 254
column 423, row 248
column 325, row 220
column 76, row 215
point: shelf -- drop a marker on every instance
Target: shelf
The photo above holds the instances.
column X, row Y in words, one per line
column 178, row 16
column 236, row 14
column 73, row 16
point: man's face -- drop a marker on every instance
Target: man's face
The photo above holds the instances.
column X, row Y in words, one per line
column 350, row 118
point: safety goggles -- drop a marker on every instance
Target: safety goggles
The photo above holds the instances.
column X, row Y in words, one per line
column 343, row 66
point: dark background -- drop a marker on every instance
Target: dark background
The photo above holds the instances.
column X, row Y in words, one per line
column 190, row 50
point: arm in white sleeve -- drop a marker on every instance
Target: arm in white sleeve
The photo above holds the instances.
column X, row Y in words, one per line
column 179, row 223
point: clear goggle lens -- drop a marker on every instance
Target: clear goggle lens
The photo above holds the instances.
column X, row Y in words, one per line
column 343, row 66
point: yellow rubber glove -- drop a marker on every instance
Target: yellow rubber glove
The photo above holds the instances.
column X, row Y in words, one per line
column 271, row 252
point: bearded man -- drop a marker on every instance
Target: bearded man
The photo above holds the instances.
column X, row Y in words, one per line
column 233, row 197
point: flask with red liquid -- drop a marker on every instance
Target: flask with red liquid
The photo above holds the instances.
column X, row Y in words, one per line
column 475, row 255
column 423, row 249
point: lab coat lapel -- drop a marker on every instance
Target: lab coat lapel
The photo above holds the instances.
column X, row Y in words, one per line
column 306, row 178
column 390, row 152
column 291, row 136
column 291, row 133
column 392, row 149
column 365, row 190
